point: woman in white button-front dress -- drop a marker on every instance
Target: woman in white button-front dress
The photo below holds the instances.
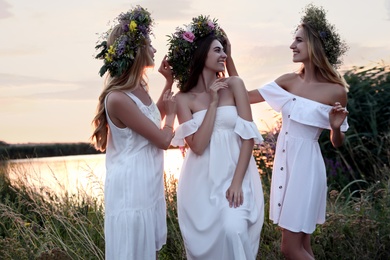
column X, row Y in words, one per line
column 310, row 100
column 220, row 197
column 128, row 128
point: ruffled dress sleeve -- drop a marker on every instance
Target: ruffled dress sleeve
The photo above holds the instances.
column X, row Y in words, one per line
column 184, row 130
column 275, row 95
column 248, row 130
column 303, row 110
column 312, row 113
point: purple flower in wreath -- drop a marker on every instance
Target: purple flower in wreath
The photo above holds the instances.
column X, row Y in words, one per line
column 125, row 27
column 121, row 46
column 188, row 36
column 143, row 29
column 323, row 35
column 211, row 24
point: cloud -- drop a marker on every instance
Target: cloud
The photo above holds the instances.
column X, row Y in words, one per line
column 19, row 52
column 169, row 10
column 4, row 12
column 35, row 88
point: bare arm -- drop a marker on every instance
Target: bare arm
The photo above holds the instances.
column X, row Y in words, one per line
column 121, row 107
column 230, row 66
column 337, row 115
column 234, row 193
column 200, row 140
column 166, row 71
column 255, row 96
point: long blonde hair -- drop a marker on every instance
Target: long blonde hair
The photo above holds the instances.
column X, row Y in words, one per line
column 318, row 58
column 129, row 80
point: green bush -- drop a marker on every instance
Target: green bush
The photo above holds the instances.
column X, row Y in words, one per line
column 365, row 150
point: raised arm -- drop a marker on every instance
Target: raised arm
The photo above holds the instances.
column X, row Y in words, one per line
column 166, row 71
column 230, row 66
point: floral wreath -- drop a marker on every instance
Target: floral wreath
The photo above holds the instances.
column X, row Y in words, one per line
column 182, row 45
column 119, row 57
column 333, row 46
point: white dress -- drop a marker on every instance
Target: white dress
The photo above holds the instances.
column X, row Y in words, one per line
column 299, row 186
column 135, row 210
column 210, row 228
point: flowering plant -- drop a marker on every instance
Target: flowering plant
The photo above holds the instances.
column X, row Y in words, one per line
column 182, row 45
column 333, row 46
column 136, row 26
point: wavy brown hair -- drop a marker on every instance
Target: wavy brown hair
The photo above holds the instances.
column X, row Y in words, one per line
column 317, row 56
column 198, row 60
column 129, row 80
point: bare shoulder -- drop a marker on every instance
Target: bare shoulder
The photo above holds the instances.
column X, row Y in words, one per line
column 233, row 80
column 184, row 100
column 117, row 97
column 235, row 83
column 182, row 97
column 286, row 79
column 338, row 93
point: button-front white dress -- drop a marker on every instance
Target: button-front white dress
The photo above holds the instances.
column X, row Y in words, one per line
column 135, row 211
column 210, row 228
column 299, row 186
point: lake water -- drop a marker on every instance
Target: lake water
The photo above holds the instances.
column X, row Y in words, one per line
column 75, row 174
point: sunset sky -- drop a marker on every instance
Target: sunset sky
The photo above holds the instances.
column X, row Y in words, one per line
column 49, row 82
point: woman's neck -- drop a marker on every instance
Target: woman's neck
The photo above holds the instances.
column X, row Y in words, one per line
column 310, row 74
column 205, row 80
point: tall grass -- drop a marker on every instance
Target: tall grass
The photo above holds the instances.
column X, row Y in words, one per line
column 46, row 224
column 40, row 224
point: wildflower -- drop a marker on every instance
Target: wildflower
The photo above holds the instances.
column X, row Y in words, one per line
column 133, row 26
column 188, row 36
column 110, row 54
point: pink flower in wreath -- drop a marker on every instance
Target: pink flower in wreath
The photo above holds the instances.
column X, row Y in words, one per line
column 211, row 24
column 188, row 36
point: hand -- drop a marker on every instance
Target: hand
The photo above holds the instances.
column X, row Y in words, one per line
column 165, row 69
column 217, row 85
column 234, row 195
column 228, row 48
column 169, row 102
column 337, row 115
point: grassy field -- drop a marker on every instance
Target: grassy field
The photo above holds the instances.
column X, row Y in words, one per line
column 39, row 224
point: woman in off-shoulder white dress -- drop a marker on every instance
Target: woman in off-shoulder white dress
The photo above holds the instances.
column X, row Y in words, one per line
column 211, row 228
column 310, row 100
column 220, row 197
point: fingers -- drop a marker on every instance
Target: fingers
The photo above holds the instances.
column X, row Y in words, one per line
column 168, row 95
column 164, row 66
column 339, row 108
column 218, row 84
column 235, row 199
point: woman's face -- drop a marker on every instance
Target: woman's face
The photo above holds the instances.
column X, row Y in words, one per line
column 299, row 46
column 216, row 57
column 151, row 51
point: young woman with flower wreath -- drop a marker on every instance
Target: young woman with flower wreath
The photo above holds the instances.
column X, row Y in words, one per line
column 220, row 197
column 127, row 127
column 310, row 100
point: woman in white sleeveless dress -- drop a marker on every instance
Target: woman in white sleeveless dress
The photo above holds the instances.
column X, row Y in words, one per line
column 220, row 197
column 127, row 127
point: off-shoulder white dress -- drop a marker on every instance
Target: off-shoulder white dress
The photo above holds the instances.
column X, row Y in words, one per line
column 299, row 186
column 210, row 228
column 135, row 210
